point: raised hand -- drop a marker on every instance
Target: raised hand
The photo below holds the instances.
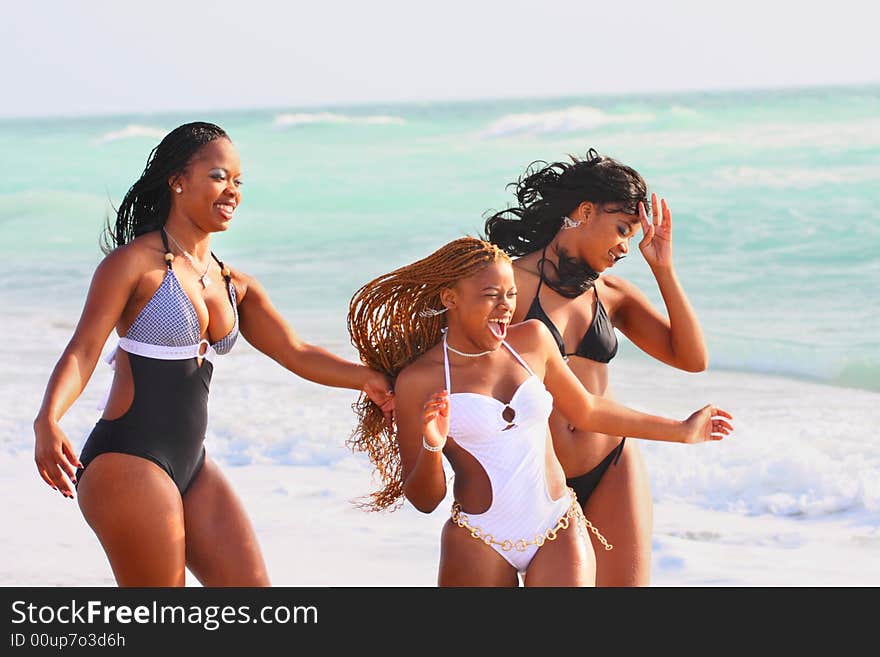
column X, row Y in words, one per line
column 656, row 244
column 378, row 389
column 436, row 419
column 55, row 458
column 709, row 423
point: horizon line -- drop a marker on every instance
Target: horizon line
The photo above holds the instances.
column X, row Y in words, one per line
column 329, row 105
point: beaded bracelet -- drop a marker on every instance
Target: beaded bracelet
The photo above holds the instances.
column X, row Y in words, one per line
column 431, row 448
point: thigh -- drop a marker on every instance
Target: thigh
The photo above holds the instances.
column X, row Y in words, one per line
column 221, row 545
column 135, row 509
column 466, row 561
column 566, row 561
column 622, row 510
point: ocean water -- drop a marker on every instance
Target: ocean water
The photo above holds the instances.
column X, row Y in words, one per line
column 775, row 198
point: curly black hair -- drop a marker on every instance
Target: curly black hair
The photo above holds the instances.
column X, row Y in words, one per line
column 547, row 192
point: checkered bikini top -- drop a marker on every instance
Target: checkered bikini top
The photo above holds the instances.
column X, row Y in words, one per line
column 167, row 328
column 169, row 319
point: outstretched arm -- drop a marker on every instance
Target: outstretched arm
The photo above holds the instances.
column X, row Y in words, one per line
column 677, row 341
column 264, row 327
column 599, row 414
column 114, row 281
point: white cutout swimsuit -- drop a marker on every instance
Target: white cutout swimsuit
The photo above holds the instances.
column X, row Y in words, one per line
column 513, row 455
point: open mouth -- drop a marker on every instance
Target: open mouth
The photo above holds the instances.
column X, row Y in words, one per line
column 498, row 328
column 226, row 209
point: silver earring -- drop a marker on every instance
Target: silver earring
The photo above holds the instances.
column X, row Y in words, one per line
column 431, row 312
column 568, row 222
column 178, row 189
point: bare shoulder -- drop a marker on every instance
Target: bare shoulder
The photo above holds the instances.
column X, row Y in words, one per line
column 525, row 268
column 615, row 284
column 527, row 263
column 421, row 377
column 129, row 262
column 525, row 274
column 530, row 337
column 615, row 290
column 529, row 330
column 244, row 283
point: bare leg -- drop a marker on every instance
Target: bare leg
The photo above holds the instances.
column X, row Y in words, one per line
column 136, row 511
column 221, row 545
column 622, row 510
column 567, row 561
column 465, row 561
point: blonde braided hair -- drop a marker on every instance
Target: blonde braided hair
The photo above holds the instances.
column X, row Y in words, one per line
column 387, row 329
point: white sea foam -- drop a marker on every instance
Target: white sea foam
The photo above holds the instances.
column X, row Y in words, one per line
column 856, row 133
column 131, row 132
column 792, row 178
column 799, row 449
column 683, row 112
column 796, row 484
column 312, row 118
column 572, row 119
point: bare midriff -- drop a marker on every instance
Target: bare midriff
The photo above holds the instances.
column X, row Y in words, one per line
column 579, row 450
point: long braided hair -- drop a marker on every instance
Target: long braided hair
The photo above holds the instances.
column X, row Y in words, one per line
column 546, row 193
column 146, row 205
column 391, row 325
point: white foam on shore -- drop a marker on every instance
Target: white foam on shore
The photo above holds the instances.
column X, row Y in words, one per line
column 799, row 448
column 311, row 535
column 572, row 119
column 131, row 132
column 311, row 118
column 863, row 133
column 791, row 498
column 791, row 178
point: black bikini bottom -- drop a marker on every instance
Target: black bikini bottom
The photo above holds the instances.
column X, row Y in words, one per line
column 585, row 484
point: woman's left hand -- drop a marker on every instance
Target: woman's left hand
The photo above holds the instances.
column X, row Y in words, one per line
column 708, row 423
column 656, row 244
column 378, row 389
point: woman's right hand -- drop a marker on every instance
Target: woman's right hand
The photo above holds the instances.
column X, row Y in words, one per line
column 436, row 419
column 55, row 458
column 708, row 423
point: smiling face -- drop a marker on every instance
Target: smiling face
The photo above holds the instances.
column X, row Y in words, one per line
column 210, row 186
column 604, row 235
column 481, row 307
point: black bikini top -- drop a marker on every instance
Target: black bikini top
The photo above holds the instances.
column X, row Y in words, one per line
column 599, row 342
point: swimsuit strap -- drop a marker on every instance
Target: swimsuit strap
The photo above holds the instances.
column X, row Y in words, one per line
column 504, row 342
column 518, row 357
column 541, row 271
column 446, row 364
column 227, row 276
column 167, row 248
column 223, row 269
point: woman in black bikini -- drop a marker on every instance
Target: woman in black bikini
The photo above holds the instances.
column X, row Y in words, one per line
column 572, row 222
column 157, row 503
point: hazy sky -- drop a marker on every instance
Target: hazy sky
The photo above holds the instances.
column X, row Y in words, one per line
column 93, row 57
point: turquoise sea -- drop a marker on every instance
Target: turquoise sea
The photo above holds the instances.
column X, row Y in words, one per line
column 775, row 198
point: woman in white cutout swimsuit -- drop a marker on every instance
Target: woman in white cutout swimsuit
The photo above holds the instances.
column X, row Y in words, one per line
column 444, row 319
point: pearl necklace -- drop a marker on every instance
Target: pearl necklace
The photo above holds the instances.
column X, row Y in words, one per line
column 463, row 353
column 204, row 279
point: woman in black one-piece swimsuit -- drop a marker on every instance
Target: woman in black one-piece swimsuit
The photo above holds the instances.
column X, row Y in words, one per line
column 159, row 504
